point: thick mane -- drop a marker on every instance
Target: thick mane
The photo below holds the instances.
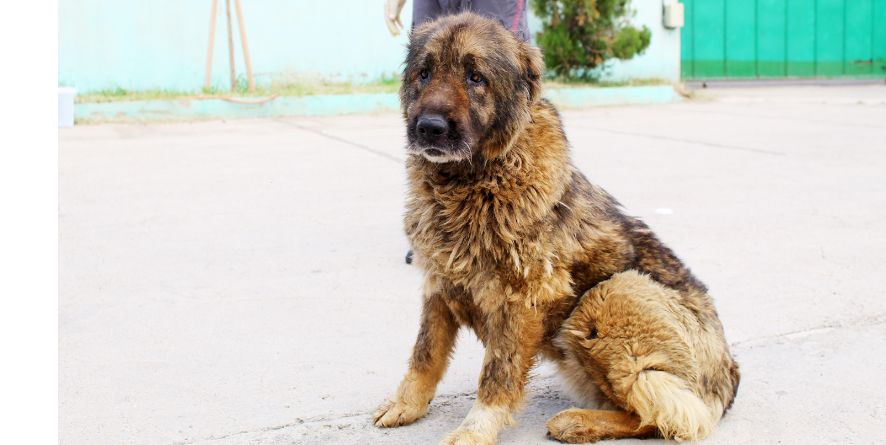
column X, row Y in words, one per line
column 462, row 216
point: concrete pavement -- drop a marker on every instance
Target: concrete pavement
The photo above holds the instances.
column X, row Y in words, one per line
column 243, row 281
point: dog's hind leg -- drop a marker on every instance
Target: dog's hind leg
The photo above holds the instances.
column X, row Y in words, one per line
column 590, row 425
column 653, row 357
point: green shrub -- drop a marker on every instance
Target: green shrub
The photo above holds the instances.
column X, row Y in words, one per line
column 579, row 36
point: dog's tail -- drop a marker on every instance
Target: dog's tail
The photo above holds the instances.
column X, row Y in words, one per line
column 665, row 400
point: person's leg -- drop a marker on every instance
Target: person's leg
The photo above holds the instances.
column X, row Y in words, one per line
column 510, row 13
column 425, row 10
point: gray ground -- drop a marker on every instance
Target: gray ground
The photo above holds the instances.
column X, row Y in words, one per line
column 243, row 281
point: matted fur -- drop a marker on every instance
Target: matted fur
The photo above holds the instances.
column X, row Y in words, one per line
column 517, row 245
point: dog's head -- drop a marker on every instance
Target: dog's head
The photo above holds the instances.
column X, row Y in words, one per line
column 467, row 88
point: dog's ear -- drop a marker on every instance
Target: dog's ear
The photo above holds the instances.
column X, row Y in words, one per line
column 418, row 37
column 533, row 67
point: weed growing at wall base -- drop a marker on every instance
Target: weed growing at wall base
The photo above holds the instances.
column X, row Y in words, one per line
column 579, row 36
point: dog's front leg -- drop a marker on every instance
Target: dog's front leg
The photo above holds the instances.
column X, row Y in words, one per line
column 513, row 336
column 430, row 356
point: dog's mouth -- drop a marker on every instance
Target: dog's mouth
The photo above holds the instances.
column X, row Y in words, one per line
column 441, row 155
column 433, row 152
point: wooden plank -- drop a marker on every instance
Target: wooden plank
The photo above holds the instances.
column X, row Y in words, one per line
column 207, row 74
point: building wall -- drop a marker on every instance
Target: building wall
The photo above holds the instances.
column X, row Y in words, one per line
column 662, row 59
column 161, row 44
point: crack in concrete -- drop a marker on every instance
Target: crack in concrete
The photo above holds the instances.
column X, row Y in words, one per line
column 446, row 399
column 868, row 321
column 442, row 399
column 297, row 422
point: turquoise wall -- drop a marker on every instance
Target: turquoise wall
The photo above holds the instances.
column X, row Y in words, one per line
column 662, row 59
column 161, row 44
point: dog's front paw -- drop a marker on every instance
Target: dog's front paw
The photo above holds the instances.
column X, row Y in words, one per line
column 398, row 413
column 463, row 436
column 570, row 426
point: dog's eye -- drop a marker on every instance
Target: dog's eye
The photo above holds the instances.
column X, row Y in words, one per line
column 424, row 74
column 475, row 78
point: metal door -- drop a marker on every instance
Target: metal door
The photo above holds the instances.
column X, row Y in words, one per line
column 783, row 38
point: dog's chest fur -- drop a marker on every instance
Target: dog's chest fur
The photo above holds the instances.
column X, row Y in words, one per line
column 512, row 229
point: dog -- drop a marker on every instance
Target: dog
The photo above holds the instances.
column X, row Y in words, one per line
column 518, row 245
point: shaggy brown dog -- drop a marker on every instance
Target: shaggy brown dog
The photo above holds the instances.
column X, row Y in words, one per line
column 518, row 245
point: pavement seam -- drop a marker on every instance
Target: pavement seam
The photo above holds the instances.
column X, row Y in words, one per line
column 333, row 137
column 784, row 118
column 686, row 141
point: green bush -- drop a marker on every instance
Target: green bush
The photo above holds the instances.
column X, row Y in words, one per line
column 579, row 36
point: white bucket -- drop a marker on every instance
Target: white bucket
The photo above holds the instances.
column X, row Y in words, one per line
column 66, row 106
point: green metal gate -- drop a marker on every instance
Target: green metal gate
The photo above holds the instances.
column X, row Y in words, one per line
column 783, row 38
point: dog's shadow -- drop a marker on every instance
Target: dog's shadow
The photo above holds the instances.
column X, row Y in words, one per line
column 546, row 395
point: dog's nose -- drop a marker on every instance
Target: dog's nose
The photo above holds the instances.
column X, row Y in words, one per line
column 431, row 127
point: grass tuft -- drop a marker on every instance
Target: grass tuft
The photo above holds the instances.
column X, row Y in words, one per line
column 387, row 84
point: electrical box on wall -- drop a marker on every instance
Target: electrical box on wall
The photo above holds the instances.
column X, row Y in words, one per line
column 673, row 14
